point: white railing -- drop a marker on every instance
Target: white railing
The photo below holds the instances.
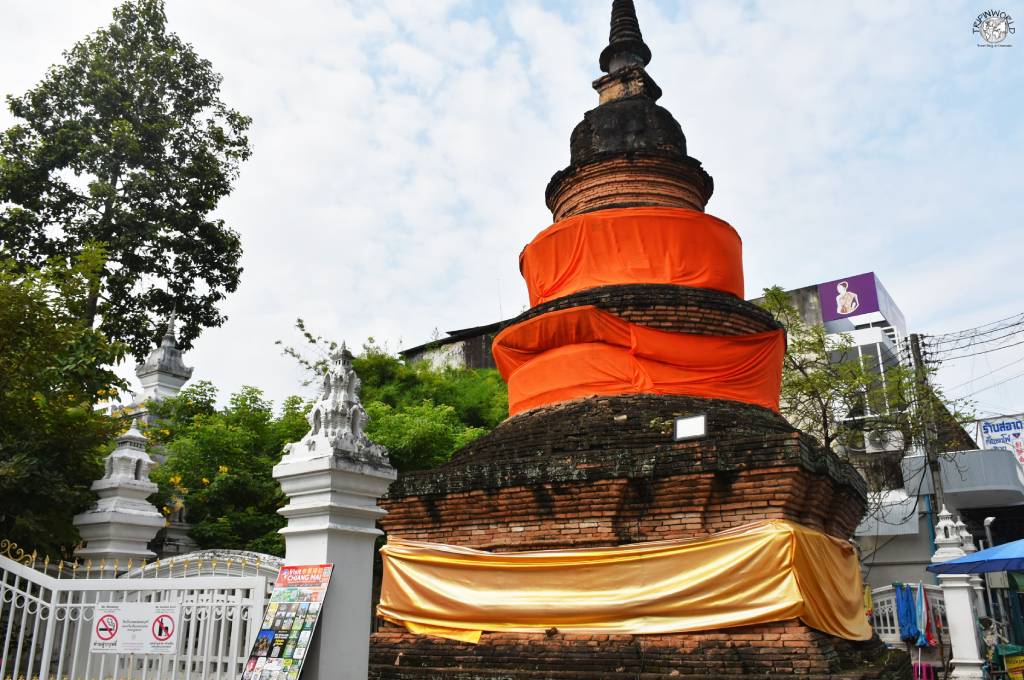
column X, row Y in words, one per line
column 46, row 622
column 885, row 621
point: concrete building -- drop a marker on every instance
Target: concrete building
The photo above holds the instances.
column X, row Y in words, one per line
column 464, row 348
column 897, row 535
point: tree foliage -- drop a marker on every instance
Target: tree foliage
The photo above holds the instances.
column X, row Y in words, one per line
column 52, row 374
column 219, row 464
column 128, row 144
column 420, row 413
column 842, row 397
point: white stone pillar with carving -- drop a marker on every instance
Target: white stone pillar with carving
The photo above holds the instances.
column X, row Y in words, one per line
column 959, row 599
column 333, row 478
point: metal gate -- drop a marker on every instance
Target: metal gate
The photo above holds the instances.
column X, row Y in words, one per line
column 46, row 619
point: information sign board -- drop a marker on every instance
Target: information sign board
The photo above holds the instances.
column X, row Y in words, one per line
column 1006, row 432
column 290, row 621
column 135, row 628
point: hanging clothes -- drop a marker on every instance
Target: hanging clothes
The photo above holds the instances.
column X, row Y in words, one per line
column 905, row 614
column 925, row 629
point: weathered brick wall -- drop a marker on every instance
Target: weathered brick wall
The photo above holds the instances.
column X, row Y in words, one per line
column 781, row 649
column 598, row 470
column 628, row 182
column 667, row 307
column 624, row 510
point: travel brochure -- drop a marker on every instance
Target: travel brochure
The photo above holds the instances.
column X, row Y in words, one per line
column 289, row 623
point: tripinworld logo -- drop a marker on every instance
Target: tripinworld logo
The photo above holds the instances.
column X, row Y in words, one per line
column 994, row 26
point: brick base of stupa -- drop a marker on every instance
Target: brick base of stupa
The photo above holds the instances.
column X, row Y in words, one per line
column 770, row 651
column 607, row 471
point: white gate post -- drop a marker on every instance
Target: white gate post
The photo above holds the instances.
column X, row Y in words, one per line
column 959, row 598
column 977, row 584
column 333, row 478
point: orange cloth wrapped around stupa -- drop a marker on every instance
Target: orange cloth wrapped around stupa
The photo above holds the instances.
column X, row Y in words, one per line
column 633, row 245
column 584, row 351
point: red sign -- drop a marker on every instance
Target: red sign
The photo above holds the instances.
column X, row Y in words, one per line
column 310, row 576
column 106, row 627
column 163, row 627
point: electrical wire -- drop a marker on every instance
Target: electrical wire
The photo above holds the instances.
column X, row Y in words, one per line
column 979, row 353
column 985, row 375
column 945, row 338
column 1004, row 380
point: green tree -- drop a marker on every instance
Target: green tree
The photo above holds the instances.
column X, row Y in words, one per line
column 418, row 436
column 842, row 397
column 52, row 374
column 219, row 464
column 128, row 144
column 421, row 414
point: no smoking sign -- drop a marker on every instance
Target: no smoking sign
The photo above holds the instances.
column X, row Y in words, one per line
column 135, row 628
column 106, row 627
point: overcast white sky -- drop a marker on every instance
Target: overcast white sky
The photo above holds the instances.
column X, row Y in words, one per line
column 402, row 148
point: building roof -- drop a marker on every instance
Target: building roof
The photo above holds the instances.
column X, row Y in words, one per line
column 166, row 358
column 456, row 336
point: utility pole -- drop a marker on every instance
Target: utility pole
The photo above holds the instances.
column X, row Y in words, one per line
column 929, row 433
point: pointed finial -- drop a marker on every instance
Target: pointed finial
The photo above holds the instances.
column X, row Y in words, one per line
column 626, row 46
column 341, row 354
column 171, row 318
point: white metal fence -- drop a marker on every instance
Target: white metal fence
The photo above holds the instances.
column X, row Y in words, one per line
column 886, row 623
column 46, row 619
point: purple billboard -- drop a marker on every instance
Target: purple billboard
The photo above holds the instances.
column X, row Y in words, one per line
column 852, row 296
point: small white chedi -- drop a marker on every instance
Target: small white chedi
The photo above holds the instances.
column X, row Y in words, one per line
column 122, row 522
column 338, row 420
column 948, row 541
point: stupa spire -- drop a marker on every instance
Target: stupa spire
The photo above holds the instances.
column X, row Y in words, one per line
column 169, row 331
column 164, row 372
column 626, row 46
column 627, row 151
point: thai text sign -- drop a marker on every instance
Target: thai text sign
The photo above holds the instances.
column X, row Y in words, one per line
column 1006, row 432
column 135, row 628
column 284, row 638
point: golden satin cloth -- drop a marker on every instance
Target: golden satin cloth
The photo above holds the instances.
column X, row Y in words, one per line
column 633, row 245
column 767, row 571
column 584, row 351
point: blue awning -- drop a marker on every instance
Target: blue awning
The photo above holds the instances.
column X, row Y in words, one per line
column 1005, row 557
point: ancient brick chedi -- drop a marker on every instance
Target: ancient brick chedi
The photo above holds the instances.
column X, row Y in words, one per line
column 602, row 467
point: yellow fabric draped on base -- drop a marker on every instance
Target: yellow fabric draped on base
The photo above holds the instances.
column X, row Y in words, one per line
column 762, row 572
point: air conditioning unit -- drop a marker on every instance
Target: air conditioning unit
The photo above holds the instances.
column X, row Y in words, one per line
column 880, row 441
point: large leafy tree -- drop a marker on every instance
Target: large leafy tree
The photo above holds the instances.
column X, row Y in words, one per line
column 128, row 144
column 52, row 374
column 219, row 464
column 843, row 398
